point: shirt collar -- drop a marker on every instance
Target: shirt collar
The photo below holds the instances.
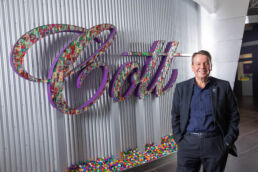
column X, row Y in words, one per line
column 207, row 85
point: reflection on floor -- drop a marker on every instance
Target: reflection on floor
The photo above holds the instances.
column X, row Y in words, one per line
column 247, row 144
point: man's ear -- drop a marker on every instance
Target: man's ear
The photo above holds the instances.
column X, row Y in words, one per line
column 192, row 68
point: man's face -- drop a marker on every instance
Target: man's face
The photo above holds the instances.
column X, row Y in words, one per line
column 201, row 66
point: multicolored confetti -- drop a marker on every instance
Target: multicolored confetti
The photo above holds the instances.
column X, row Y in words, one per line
column 63, row 64
column 140, row 80
column 129, row 159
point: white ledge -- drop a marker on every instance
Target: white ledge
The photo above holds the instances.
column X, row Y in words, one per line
column 251, row 19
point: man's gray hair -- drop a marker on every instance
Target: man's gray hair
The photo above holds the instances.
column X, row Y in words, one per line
column 202, row 52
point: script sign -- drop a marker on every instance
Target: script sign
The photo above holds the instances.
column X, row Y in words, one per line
column 140, row 80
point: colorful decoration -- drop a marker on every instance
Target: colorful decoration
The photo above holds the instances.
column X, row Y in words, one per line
column 129, row 159
column 142, row 81
column 127, row 70
column 62, row 67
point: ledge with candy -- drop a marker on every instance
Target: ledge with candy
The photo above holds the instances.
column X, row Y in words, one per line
column 129, row 159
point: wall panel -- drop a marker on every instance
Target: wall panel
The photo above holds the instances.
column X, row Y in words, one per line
column 27, row 120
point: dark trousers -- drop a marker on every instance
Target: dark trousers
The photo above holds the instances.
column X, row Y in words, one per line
column 194, row 151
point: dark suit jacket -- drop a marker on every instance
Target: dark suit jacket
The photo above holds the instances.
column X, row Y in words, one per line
column 225, row 111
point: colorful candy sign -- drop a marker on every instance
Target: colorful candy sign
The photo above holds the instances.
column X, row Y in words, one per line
column 140, row 80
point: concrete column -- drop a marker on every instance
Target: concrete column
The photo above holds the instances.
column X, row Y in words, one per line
column 221, row 33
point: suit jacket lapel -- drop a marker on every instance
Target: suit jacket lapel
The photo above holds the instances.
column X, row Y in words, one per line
column 214, row 96
column 189, row 92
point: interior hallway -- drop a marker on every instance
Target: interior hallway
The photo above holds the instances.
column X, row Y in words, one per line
column 247, row 144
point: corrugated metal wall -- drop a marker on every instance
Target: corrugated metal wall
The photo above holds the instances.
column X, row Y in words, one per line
column 27, row 120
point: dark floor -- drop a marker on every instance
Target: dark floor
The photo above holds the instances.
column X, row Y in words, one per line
column 247, row 144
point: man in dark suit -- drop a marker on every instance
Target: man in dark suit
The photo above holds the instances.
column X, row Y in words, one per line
column 205, row 119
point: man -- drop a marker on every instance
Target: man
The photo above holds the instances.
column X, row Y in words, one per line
column 205, row 119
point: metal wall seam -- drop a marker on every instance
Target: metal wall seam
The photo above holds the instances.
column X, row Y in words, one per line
column 9, row 121
column 2, row 99
column 16, row 121
column 51, row 156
